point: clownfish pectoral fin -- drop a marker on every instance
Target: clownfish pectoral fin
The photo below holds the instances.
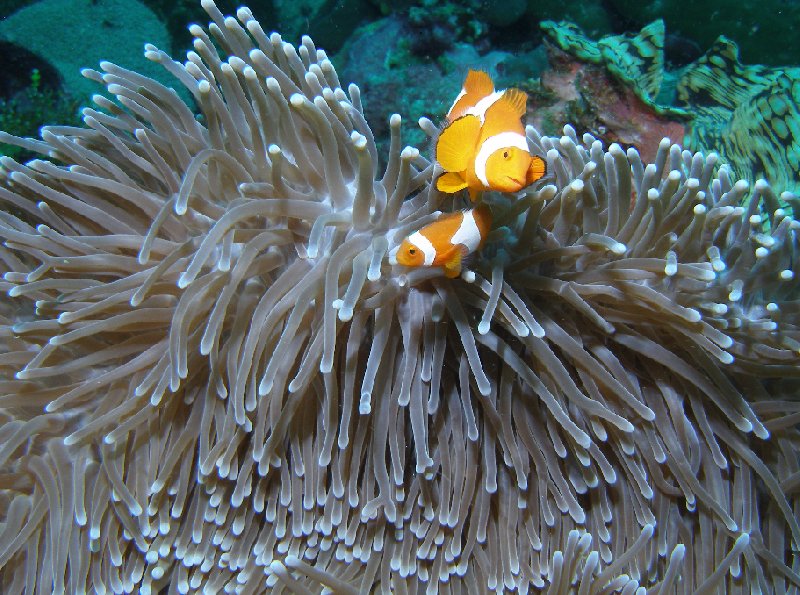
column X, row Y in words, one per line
column 536, row 169
column 474, row 194
column 457, row 142
column 479, row 83
column 452, row 268
column 517, row 100
column 450, row 183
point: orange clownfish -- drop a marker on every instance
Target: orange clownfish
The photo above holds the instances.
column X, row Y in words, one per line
column 483, row 146
column 446, row 241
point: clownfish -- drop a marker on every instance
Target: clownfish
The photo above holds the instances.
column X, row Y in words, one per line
column 446, row 241
column 483, row 146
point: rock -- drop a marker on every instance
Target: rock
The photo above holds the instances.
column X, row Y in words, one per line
column 75, row 34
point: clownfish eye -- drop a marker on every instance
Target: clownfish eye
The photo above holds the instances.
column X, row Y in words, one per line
column 505, row 154
column 412, row 250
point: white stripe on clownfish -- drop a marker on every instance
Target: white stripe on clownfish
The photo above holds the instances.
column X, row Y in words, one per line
column 467, row 233
column 459, row 96
column 479, row 109
column 424, row 244
column 450, row 239
column 492, row 144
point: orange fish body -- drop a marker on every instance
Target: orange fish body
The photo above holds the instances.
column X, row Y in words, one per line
column 483, row 146
column 446, row 241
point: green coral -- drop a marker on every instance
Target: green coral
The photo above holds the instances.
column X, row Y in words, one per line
column 26, row 112
column 765, row 30
column 750, row 114
column 636, row 60
column 399, row 55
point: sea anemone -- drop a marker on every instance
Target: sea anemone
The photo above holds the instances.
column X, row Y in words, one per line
column 212, row 378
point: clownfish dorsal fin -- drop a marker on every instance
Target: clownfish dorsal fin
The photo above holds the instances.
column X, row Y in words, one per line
column 478, row 83
column 516, row 100
column 509, row 108
column 450, row 183
column 457, row 142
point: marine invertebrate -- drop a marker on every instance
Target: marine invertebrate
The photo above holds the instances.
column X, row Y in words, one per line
column 212, row 377
column 637, row 60
column 608, row 87
column 747, row 114
column 750, row 113
column 757, row 42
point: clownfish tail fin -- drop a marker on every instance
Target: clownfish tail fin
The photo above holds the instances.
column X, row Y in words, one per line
column 482, row 215
column 483, row 218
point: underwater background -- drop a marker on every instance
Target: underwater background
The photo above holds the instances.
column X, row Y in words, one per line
column 213, row 379
column 713, row 74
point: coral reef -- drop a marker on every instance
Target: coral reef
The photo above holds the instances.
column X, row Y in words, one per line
column 755, row 26
column 636, row 60
column 330, row 22
column 24, row 113
column 592, row 17
column 72, row 33
column 212, row 379
column 749, row 115
column 402, row 76
column 608, row 88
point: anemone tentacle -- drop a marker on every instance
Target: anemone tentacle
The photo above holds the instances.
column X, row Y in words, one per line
column 211, row 378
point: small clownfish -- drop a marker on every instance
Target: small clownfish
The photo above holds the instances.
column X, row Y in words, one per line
column 483, row 147
column 446, row 241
